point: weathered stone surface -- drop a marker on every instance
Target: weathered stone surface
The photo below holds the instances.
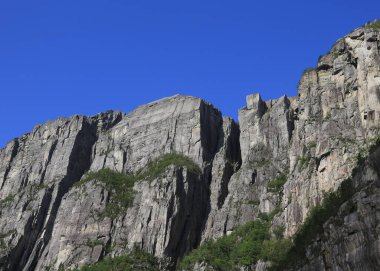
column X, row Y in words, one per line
column 351, row 240
column 36, row 171
column 310, row 141
column 264, row 141
column 180, row 124
column 56, row 223
column 164, row 220
column 331, row 128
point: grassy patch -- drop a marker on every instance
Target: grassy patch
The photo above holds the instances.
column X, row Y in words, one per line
column 307, row 70
column 136, row 260
column 7, row 199
column 277, row 183
column 37, row 187
column 155, row 168
column 120, row 185
column 253, row 202
column 259, row 163
column 375, row 24
column 303, row 161
column 311, row 144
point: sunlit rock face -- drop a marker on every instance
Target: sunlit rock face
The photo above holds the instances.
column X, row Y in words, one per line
column 310, row 142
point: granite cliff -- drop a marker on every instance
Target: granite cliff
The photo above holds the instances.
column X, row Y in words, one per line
column 173, row 174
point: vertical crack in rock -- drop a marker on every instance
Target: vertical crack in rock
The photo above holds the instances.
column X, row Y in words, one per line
column 37, row 229
column 79, row 163
column 13, row 154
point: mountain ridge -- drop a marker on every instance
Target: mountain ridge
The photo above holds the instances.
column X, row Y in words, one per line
column 280, row 159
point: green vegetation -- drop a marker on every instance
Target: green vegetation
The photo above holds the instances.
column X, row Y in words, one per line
column 329, row 207
column 276, row 250
column 7, row 200
column 328, row 116
column 278, row 231
column 374, row 144
column 307, row 70
column 269, row 217
column 313, row 225
column 120, row 186
column 303, row 161
column 136, row 260
column 242, row 247
column 37, row 187
column 365, row 152
column 311, row 144
column 252, row 241
column 157, row 167
column 277, row 183
column 375, row 24
column 253, row 202
column 259, row 163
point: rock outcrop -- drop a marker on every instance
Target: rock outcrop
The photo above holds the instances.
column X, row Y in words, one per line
column 350, row 240
column 307, row 145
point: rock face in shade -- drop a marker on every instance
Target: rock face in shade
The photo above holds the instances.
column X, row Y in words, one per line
column 311, row 141
column 350, row 240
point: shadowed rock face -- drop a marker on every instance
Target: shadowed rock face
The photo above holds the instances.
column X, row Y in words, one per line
column 350, row 240
column 311, row 140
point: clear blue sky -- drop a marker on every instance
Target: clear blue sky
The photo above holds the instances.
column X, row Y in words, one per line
column 59, row 58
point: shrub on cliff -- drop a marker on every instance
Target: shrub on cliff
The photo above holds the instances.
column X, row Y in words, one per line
column 120, row 185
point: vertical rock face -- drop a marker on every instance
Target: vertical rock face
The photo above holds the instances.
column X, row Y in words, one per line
column 264, row 139
column 36, row 171
column 307, row 145
column 332, row 126
column 180, row 124
column 56, row 221
column 311, row 142
column 164, row 220
column 350, row 240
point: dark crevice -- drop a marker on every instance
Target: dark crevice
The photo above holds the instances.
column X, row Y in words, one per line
column 211, row 123
column 319, row 159
column 13, row 155
column 20, row 253
column 51, row 151
column 79, row 163
column 190, row 217
column 227, row 173
column 39, row 228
